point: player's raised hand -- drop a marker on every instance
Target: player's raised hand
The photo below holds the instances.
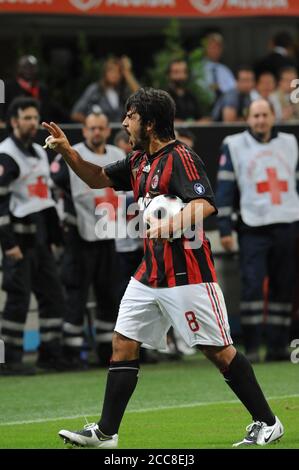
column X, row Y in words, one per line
column 57, row 139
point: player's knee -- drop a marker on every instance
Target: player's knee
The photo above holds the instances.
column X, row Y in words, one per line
column 220, row 356
column 124, row 349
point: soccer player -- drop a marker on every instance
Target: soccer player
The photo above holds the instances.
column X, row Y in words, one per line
column 174, row 285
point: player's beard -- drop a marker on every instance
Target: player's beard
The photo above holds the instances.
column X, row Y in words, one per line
column 142, row 140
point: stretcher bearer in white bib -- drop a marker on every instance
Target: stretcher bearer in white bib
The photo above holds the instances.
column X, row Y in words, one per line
column 28, row 226
column 257, row 177
column 90, row 255
column 176, row 282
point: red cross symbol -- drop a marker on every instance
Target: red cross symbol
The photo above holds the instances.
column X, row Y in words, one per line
column 111, row 199
column 274, row 186
column 39, row 189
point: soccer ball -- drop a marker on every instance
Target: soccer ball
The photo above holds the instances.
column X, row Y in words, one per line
column 162, row 207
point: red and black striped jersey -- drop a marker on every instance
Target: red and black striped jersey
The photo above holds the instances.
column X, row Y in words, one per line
column 177, row 170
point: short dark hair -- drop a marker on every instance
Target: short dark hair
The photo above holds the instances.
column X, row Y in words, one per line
column 21, row 103
column 176, row 61
column 266, row 72
column 156, row 107
column 244, row 68
column 215, row 36
column 287, row 68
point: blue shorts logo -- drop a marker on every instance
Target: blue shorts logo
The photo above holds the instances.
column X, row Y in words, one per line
column 199, row 189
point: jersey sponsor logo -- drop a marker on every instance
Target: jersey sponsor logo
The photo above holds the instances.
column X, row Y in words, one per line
column 206, row 6
column 155, row 182
column 85, row 5
column 199, row 189
column 2, row 170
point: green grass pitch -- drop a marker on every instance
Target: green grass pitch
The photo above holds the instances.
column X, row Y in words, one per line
column 176, row 405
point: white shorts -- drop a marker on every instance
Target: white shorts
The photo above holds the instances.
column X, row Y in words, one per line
column 197, row 311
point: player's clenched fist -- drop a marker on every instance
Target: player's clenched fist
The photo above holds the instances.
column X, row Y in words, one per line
column 57, row 139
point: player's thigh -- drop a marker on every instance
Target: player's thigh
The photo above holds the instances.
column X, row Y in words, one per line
column 198, row 312
column 140, row 317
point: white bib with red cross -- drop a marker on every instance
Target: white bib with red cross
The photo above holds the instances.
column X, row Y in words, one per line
column 91, row 204
column 266, row 177
column 30, row 191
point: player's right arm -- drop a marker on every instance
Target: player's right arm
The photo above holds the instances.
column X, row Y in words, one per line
column 91, row 174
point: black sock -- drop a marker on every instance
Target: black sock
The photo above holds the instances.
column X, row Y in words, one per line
column 121, row 383
column 241, row 379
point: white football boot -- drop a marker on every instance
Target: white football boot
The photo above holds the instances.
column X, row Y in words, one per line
column 258, row 433
column 90, row 436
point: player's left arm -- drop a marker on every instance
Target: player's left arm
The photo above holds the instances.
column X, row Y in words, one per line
column 192, row 214
column 190, row 183
column 189, row 179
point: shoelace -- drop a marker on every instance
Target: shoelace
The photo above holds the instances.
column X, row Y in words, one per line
column 254, row 428
column 255, row 423
column 89, row 426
